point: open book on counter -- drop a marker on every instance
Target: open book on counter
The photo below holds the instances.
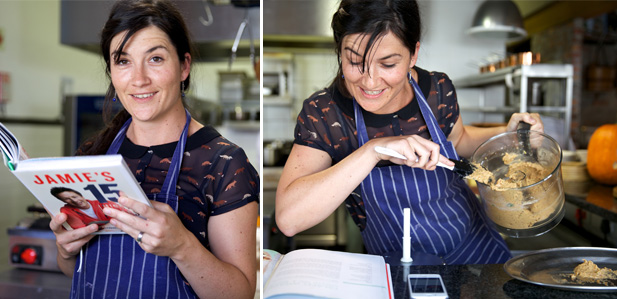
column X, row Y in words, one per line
column 77, row 186
column 310, row 273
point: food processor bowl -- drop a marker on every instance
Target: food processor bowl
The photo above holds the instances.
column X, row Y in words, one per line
column 534, row 206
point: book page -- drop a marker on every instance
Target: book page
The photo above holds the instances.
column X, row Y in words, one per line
column 332, row 274
column 269, row 261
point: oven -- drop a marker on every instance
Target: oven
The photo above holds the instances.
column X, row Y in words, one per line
column 32, row 244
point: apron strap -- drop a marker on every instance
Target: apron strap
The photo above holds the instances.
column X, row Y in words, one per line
column 171, row 179
column 431, row 122
column 169, row 185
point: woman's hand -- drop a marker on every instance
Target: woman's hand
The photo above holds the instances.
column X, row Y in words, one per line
column 162, row 231
column 531, row 118
column 420, row 152
column 69, row 242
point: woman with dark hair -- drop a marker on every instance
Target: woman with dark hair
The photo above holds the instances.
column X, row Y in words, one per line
column 198, row 238
column 381, row 98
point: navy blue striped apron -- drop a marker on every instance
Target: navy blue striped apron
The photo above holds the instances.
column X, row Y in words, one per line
column 115, row 266
column 446, row 217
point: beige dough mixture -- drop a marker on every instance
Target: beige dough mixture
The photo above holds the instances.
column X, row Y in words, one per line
column 481, row 174
column 521, row 174
column 590, row 272
column 510, row 207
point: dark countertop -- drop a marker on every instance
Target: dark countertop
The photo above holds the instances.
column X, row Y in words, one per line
column 593, row 197
column 25, row 283
column 482, row 281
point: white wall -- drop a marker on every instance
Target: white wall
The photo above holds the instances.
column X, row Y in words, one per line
column 37, row 62
column 445, row 46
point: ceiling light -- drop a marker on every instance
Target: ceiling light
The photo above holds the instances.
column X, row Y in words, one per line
column 498, row 19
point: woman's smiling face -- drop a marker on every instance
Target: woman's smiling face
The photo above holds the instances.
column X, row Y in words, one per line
column 382, row 87
column 148, row 74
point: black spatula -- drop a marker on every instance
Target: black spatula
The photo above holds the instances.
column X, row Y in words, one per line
column 461, row 167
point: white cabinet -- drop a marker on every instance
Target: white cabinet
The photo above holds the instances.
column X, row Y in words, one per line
column 539, row 88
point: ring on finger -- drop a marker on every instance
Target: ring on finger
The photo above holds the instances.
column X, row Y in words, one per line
column 139, row 237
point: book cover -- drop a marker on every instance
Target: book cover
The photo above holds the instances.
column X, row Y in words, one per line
column 311, row 273
column 78, row 186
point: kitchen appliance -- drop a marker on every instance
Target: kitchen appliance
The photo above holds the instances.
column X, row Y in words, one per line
column 83, row 118
column 32, row 244
column 276, row 152
column 529, row 210
column 278, row 78
column 213, row 24
column 232, row 86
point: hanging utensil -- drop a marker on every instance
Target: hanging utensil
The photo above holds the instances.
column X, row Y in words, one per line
column 208, row 11
column 234, row 47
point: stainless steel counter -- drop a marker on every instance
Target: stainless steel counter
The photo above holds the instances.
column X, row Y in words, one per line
column 23, row 283
column 330, row 232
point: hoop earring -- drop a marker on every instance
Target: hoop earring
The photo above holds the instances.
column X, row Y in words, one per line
column 182, row 88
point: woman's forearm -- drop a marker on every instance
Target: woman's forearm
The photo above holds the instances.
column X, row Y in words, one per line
column 67, row 266
column 210, row 277
column 227, row 269
column 310, row 189
column 473, row 137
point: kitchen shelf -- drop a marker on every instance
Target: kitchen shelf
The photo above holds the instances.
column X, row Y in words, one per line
column 480, row 80
column 502, row 76
column 277, row 101
column 517, row 81
column 30, row 121
column 489, row 109
column 534, row 109
column 243, row 125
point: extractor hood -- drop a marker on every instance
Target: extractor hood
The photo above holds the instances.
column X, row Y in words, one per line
column 213, row 26
column 298, row 23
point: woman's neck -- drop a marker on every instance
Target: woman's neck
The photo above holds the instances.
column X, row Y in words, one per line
column 156, row 132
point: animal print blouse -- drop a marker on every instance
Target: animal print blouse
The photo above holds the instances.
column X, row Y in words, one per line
column 216, row 176
column 326, row 122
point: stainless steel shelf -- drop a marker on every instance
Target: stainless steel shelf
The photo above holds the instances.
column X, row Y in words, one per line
column 243, row 125
column 536, row 109
column 535, row 72
column 539, row 109
column 30, row 121
column 481, row 80
column 490, row 109
column 501, row 76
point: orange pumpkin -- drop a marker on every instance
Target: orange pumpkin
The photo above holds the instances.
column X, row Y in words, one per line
column 602, row 155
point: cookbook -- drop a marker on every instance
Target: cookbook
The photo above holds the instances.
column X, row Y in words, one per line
column 318, row 273
column 79, row 186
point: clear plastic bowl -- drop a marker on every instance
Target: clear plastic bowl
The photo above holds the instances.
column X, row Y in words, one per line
column 525, row 211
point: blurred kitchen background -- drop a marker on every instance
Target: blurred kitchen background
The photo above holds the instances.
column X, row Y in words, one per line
column 52, row 83
column 552, row 70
